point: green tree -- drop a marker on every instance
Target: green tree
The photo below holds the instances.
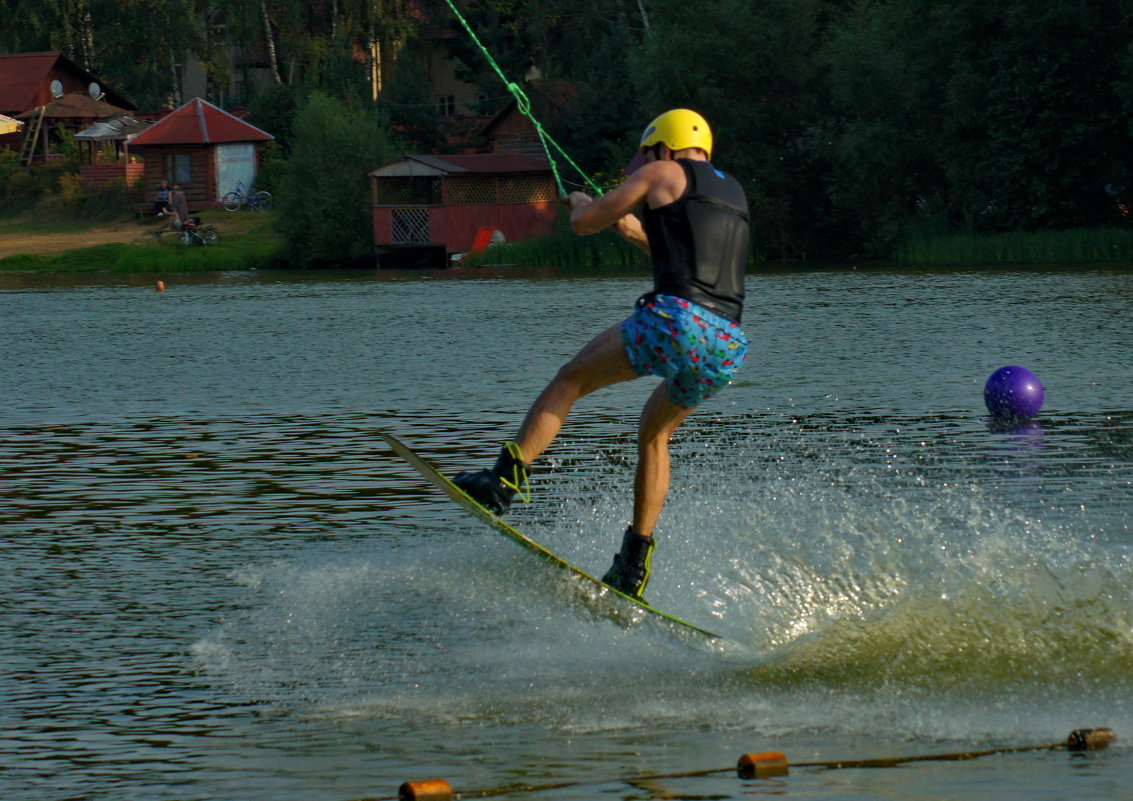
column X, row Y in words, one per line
column 407, row 100
column 1044, row 129
column 888, row 67
column 274, row 111
column 750, row 69
column 323, row 209
column 135, row 46
column 584, row 50
column 980, row 116
column 44, row 25
column 571, row 60
column 147, row 58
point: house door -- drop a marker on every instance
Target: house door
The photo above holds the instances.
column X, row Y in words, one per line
column 235, row 168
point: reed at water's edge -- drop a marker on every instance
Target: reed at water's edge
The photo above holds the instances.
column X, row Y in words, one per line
column 562, row 248
column 1019, row 247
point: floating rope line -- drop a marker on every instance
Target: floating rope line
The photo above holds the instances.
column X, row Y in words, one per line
column 750, row 766
column 523, row 103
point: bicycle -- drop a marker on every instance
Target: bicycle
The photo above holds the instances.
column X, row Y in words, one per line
column 193, row 234
column 238, row 199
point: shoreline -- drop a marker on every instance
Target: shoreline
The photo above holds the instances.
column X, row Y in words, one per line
column 31, row 244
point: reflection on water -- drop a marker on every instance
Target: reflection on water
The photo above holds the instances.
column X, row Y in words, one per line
column 218, row 583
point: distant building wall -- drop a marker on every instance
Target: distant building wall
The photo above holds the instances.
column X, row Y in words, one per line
column 97, row 176
column 197, row 178
column 445, row 84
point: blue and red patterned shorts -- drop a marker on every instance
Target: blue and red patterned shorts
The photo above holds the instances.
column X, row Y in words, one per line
column 695, row 350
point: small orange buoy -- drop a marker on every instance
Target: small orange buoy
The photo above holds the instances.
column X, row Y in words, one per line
column 1090, row 739
column 427, row 790
column 758, row 766
column 159, row 286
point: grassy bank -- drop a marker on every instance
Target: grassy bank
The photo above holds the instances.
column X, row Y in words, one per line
column 42, row 242
column 1022, row 247
column 247, row 241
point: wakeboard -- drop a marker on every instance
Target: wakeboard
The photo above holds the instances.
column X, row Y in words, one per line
column 620, row 606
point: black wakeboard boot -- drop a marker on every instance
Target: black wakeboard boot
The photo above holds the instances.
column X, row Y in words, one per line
column 496, row 488
column 632, row 564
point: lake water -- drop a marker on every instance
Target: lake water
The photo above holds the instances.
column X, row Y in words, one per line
column 217, row 583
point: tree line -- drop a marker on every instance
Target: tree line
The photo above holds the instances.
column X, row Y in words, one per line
column 854, row 124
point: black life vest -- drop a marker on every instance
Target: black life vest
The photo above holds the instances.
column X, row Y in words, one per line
column 699, row 242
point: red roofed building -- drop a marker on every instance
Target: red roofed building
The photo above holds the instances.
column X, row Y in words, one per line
column 429, row 208
column 203, row 149
column 30, row 80
column 51, row 82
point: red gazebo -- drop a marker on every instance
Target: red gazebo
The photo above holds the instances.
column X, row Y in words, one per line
column 428, row 208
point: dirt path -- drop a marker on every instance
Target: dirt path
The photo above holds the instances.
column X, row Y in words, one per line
column 12, row 242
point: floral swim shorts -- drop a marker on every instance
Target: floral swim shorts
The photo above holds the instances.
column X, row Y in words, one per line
column 695, row 350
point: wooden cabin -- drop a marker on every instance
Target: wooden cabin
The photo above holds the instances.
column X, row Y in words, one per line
column 30, row 80
column 428, row 209
column 203, row 149
column 49, row 92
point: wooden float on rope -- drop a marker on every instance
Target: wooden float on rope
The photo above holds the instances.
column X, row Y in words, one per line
column 757, row 765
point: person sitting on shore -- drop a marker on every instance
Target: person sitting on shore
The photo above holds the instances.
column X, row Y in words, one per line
column 161, row 199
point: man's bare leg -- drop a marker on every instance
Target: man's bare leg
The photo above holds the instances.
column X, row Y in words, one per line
column 600, row 363
column 633, row 562
column 603, row 361
column 659, row 419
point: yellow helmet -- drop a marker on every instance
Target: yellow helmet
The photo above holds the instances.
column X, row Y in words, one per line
column 678, row 128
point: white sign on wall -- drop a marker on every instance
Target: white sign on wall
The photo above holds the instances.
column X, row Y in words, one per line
column 235, row 168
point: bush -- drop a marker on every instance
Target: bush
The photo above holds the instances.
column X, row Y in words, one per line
column 271, row 169
column 23, row 189
column 323, row 204
column 73, row 200
column 71, row 188
column 1020, row 247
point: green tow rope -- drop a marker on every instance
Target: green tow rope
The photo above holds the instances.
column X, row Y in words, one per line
column 524, row 105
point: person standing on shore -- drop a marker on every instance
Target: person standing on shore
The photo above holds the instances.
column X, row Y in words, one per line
column 687, row 330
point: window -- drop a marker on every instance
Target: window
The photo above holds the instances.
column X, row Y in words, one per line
column 178, row 168
column 471, row 189
column 424, row 191
column 527, row 189
column 446, row 105
column 410, row 226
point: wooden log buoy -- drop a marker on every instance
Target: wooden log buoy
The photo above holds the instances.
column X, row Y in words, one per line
column 426, row 790
column 1090, row 739
column 759, row 766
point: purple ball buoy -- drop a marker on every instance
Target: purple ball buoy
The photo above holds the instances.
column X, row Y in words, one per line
column 1013, row 392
